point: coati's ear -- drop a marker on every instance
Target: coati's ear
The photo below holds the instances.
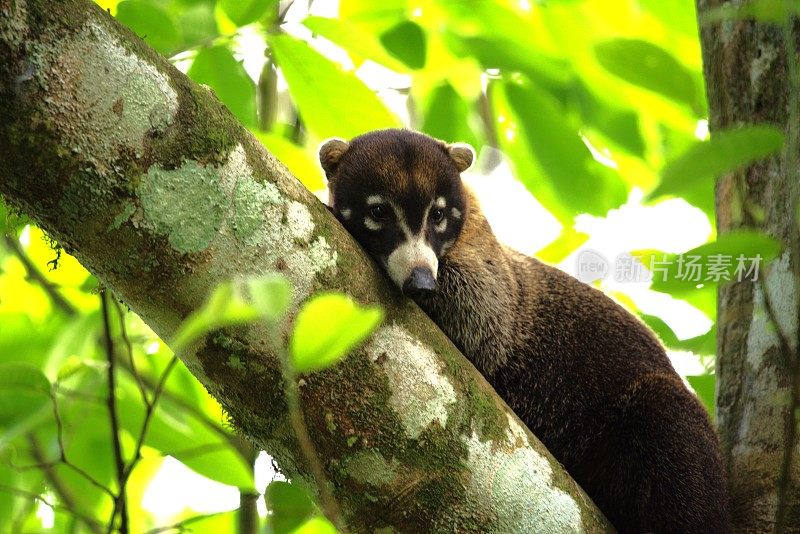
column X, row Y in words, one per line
column 462, row 154
column 331, row 152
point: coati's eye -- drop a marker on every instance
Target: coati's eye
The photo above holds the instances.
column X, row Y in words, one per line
column 379, row 212
column 437, row 214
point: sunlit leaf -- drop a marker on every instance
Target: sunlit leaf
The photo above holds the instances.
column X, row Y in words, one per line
column 316, row 525
column 332, row 102
column 243, row 12
column 176, row 432
column 724, row 152
column 775, row 11
column 704, row 386
column 289, row 506
column 551, row 159
column 151, row 23
column 299, row 162
column 406, row 42
column 224, row 307
column 328, row 327
column 217, row 68
column 733, row 256
column 447, row 116
column 357, row 41
column 271, row 295
column 644, row 64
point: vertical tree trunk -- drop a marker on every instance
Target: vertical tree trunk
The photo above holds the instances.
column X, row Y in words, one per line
column 750, row 69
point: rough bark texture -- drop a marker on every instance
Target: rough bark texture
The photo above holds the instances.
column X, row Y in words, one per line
column 148, row 180
column 749, row 81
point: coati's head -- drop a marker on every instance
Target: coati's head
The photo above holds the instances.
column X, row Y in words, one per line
column 399, row 193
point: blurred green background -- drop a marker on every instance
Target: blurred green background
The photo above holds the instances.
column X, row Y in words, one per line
column 590, row 120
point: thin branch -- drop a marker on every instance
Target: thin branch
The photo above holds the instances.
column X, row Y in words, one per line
column 181, row 526
column 62, row 491
column 55, row 506
column 34, row 274
column 328, row 503
column 149, row 411
column 121, row 500
column 129, row 349
column 63, row 451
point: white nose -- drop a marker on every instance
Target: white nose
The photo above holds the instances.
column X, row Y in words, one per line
column 413, row 254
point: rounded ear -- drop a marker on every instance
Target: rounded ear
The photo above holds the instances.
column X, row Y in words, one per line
column 462, row 155
column 331, row 152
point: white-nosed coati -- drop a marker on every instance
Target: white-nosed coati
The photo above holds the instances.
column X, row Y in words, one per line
column 588, row 378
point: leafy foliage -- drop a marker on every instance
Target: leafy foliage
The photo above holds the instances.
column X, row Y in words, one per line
column 588, row 101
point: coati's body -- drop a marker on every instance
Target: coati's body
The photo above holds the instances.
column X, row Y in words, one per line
column 589, row 379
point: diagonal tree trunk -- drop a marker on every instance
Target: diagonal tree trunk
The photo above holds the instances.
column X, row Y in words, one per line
column 751, row 76
column 151, row 183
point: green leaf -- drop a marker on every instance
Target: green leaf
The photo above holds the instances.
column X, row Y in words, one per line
column 447, row 116
column 332, row 102
column 217, row 68
column 683, row 274
column 289, row 506
column 328, row 327
column 704, row 386
column 724, row 152
column 24, row 392
column 271, row 295
column 704, row 344
column 358, row 42
column 550, row 158
column 775, row 11
column 644, row 64
column 151, row 23
column 243, row 12
column 407, row 42
column 316, row 525
column 176, row 432
column 224, row 307
column 300, row 163
column 23, row 377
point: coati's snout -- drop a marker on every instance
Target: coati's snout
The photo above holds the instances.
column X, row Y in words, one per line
column 399, row 193
column 420, row 283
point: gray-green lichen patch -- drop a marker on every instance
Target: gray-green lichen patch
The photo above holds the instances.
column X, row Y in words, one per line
column 370, row 467
column 421, row 392
column 518, row 483
column 245, row 225
column 106, row 97
column 127, row 210
column 186, row 204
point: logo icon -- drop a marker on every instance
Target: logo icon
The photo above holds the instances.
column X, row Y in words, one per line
column 590, row 265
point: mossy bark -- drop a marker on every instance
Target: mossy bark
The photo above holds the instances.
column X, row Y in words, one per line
column 151, row 183
column 749, row 81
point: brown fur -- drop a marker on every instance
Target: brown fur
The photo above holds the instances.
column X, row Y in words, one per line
column 588, row 378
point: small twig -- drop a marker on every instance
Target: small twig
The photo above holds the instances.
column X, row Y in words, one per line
column 34, row 274
column 121, row 500
column 181, row 526
column 328, row 503
column 149, row 411
column 129, row 348
column 62, row 491
column 55, row 506
column 63, row 451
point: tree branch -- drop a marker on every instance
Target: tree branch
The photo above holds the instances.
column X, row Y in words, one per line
column 151, row 183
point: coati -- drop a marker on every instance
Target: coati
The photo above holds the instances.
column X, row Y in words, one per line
column 588, row 378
